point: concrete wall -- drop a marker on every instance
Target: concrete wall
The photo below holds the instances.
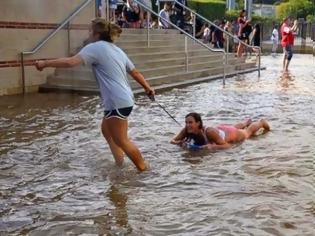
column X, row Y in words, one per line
column 23, row 24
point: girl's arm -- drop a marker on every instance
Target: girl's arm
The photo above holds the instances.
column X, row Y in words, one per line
column 59, row 63
column 294, row 27
column 137, row 76
column 179, row 138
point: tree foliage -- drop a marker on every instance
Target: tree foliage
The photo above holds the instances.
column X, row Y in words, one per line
column 210, row 9
column 296, row 9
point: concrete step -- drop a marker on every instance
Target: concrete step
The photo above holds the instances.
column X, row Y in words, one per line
column 154, row 43
column 126, row 31
column 154, row 68
column 187, row 82
column 182, row 61
column 166, row 70
column 162, row 48
column 172, row 54
column 169, row 76
column 158, row 82
column 93, row 89
column 182, row 76
column 143, row 37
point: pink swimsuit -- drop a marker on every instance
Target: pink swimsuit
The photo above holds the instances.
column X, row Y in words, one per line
column 225, row 129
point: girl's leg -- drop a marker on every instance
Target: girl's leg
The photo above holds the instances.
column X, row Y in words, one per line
column 255, row 126
column 118, row 129
column 240, row 50
column 116, row 151
column 244, row 124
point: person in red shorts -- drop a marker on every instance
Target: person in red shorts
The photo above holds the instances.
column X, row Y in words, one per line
column 287, row 41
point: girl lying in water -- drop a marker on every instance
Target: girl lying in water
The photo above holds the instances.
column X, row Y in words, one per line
column 197, row 136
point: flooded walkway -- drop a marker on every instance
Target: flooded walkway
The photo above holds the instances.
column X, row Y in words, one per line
column 57, row 176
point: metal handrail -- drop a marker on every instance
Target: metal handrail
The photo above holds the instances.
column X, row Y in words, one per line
column 224, row 31
column 50, row 35
column 187, row 35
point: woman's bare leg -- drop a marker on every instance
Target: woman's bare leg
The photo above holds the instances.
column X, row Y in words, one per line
column 240, row 50
column 117, row 152
column 244, row 124
column 255, row 126
column 118, row 129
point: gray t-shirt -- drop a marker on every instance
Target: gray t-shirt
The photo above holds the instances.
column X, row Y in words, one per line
column 110, row 65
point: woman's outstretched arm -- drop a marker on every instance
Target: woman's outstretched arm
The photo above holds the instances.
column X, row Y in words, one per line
column 179, row 138
column 137, row 76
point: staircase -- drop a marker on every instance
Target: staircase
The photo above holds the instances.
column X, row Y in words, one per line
column 163, row 64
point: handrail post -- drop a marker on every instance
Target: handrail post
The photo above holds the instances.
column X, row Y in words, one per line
column 68, row 38
column 107, row 10
column 194, row 25
column 259, row 61
column 23, row 73
column 224, row 67
column 96, row 8
column 159, row 9
column 148, row 32
column 227, row 43
column 186, row 53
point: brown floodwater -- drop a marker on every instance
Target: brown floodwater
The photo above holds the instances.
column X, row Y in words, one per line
column 57, row 175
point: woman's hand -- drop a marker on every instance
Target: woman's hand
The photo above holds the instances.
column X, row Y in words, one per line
column 151, row 93
column 40, row 65
column 177, row 142
column 209, row 146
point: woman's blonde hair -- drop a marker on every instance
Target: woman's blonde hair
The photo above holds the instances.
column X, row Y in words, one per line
column 108, row 32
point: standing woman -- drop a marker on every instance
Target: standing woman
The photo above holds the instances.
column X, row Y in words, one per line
column 242, row 23
column 110, row 65
column 255, row 40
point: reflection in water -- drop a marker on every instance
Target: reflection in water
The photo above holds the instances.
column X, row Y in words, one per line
column 286, row 80
column 119, row 200
column 57, row 177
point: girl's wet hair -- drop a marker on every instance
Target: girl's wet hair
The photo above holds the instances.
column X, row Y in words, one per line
column 196, row 117
column 107, row 31
column 198, row 139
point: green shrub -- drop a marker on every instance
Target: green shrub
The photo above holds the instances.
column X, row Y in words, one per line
column 234, row 14
column 310, row 18
column 210, row 9
column 295, row 8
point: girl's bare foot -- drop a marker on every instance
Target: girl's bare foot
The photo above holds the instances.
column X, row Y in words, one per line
column 265, row 124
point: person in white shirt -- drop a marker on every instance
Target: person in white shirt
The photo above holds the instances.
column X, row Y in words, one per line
column 275, row 40
column 206, row 34
column 164, row 13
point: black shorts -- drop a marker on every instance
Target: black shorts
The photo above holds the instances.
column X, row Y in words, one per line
column 121, row 113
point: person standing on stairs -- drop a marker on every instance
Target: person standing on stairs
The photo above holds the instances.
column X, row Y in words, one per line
column 110, row 66
column 164, row 13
